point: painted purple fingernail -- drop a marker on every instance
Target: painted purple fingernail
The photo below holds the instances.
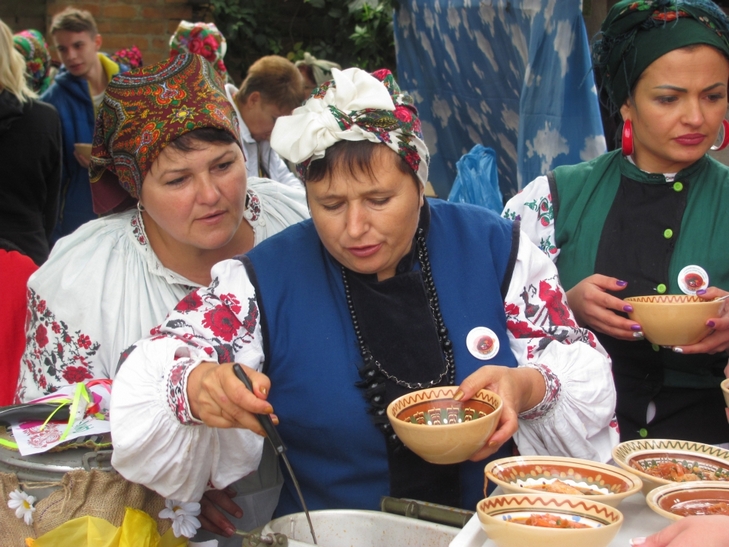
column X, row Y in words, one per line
column 634, row 327
column 628, row 308
column 701, row 292
column 621, row 283
column 710, row 324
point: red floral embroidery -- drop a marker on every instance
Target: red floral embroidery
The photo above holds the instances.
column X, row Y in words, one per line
column 84, row 341
column 191, row 302
column 222, row 322
column 41, row 337
column 54, row 354
column 73, row 375
column 231, row 301
column 176, row 391
column 249, row 323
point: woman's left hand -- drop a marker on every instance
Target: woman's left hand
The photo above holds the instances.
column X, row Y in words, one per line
column 519, row 388
column 718, row 339
column 212, row 518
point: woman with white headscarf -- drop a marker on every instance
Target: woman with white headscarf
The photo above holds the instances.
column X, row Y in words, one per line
column 378, row 295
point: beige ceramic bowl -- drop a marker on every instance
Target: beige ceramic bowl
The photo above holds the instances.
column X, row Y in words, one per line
column 598, row 482
column 638, row 456
column 440, row 429
column 681, row 499
column 83, row 149
column 725, row 389
column 498, row 513
column 673, row 319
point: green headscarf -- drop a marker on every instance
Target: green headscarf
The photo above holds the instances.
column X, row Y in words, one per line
column 636, row 33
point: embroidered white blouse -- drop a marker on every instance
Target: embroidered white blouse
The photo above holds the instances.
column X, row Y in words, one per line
column 150, row 414
column 103, row 288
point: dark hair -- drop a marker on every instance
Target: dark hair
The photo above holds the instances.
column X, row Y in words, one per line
column 74, row 20
column 353, row 157
column 191, row 140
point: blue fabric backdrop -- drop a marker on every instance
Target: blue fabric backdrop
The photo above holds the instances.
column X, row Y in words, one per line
column 513, row 75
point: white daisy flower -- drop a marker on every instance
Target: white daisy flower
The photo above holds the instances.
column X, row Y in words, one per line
column 183, row 515
column 23, row 505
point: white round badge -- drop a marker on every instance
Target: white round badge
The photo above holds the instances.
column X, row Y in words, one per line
column 692, row 278
column 482, row 343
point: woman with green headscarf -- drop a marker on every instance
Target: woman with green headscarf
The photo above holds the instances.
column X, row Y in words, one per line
column 650, row 219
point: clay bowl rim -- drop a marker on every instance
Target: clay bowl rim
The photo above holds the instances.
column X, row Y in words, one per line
column 652, row 322
column 470, row 423
column 652, row 499
column 83, row 149
column 546, row 500
column 685, row 299
column 631, row 480
column 725, row 385
column 630, row 448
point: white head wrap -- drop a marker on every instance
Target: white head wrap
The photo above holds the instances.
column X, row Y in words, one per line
column 355, row 106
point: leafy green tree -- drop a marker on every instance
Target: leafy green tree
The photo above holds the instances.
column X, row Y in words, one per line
column 348, row 32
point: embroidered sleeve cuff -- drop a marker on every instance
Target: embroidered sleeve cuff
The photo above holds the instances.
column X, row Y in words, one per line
column 177, row 391
column 551, row 394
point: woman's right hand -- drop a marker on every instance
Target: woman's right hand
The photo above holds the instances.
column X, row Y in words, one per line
column 220, row 399
column 595, row 308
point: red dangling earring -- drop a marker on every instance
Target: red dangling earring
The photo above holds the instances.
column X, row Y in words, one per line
column 724, row 133
column 627, row 141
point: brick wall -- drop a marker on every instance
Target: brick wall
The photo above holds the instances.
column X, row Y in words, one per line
column 148, row 24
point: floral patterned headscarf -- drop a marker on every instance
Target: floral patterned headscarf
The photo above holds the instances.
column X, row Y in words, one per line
column 637, row 32
column 203, row 39
column 142, row 112
column 32, row 46
column 354, row 106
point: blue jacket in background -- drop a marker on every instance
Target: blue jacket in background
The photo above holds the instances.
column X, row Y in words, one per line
column 70, row 95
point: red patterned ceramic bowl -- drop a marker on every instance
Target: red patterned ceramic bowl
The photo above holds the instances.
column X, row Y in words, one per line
column 548, row 520
column 673, row 319
column 592, row 480
column 678, row 500
column 440, row 429
column 660, row 461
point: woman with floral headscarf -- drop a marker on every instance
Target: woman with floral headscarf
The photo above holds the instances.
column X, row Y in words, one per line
column 32, row 46
column 166, row 153
column 381, row 293
column 650, row 219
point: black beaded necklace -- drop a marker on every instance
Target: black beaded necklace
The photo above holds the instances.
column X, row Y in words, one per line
column 373, row 374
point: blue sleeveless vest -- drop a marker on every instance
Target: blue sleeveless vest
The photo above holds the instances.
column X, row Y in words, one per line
column 312, row 358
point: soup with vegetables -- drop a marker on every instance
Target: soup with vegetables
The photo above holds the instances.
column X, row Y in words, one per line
column 548, row 521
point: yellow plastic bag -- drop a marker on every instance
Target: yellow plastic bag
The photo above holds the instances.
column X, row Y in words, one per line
column 137, row 530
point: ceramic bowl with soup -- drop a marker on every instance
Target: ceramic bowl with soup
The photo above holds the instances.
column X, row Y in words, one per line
column 548, row 520
column 440, row 429
column 661, row 461
column 560, row 475
column 675, row 501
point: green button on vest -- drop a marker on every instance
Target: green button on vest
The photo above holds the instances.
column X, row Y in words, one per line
column 678, row 186
column 661, row 288
column 668, row 233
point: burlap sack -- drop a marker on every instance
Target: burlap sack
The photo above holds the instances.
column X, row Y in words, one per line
column 79, row 493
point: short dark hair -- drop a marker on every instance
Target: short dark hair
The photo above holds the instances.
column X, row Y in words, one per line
column 74, row 20
column 191, row 140
column 353, row 157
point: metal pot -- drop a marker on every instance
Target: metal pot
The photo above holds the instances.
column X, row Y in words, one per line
column 359, row 528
